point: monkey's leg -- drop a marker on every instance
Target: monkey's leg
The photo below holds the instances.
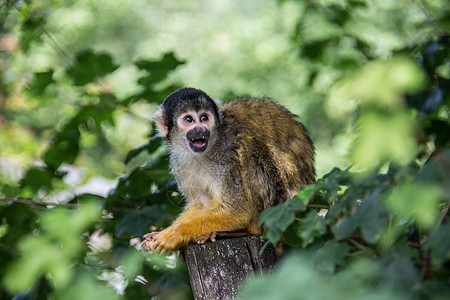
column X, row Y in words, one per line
column 194, row 225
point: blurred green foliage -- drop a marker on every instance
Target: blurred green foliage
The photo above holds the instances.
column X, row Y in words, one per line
column 80, row 79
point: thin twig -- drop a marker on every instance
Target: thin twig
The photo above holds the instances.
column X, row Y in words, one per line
column 425, row 268
column 318, row 206
column 428, row 17
column 442, row 215
column 361, row 247
column 55, row 45
column 37, row 203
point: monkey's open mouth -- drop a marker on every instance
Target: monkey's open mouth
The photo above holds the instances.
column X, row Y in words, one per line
column 198, row 144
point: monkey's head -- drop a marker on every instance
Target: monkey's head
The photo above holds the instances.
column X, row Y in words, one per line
column 188, row 119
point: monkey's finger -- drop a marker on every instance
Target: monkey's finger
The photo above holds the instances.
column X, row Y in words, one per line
column 202, row 240
column 213, row 236
column 152, row 235
column 146, row 245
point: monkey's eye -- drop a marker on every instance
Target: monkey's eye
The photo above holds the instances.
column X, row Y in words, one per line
column 188, row 119
column 204, row 118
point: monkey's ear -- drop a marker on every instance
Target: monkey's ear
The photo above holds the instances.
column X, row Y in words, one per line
column 217, row 101
column 158, row 117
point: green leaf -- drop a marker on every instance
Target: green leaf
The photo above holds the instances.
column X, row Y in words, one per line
column 383, row 138
column 418, row 200
column 307, row 192
column 370, row 216
column 400, row 272
column 136, row 222
column 86, row 286
column 90, row 66
column 52, row 250
column 437, row 170
column 138, row 183
column 310, row 227
column 290, row 236
column 151, row 146
column 31, row 32
column 278, row 218
column 158, row 68
column 439, row 243
column 331, row 255
column 37, row 177
column 62, row 151
column 40, row 82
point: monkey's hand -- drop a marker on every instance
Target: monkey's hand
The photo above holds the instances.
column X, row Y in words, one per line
column 165, row 241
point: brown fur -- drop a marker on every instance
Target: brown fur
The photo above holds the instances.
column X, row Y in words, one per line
column 257, row 156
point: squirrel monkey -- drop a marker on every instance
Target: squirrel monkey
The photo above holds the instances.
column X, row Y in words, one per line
column 231, row 162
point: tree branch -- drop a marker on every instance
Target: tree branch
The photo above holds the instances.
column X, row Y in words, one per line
column 37, row 203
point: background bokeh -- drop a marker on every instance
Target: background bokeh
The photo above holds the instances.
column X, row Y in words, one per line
column 79, row 81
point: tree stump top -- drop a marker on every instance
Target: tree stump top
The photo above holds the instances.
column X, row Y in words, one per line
column 218, row 269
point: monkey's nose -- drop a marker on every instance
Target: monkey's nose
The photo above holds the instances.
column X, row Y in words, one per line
column 199, row 129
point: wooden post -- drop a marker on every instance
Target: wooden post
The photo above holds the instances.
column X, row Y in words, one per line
column 218, row 269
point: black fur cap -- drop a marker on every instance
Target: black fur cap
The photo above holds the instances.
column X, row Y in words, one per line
column 187, row 99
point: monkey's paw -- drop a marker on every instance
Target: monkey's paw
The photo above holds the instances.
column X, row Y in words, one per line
column 209, row 237
column 165, row 241
column 149, row 239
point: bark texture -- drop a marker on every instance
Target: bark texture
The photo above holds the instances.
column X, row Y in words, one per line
column 218, row 270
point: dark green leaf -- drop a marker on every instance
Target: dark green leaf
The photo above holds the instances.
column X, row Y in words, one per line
column 437, row 170
column 439, row 243
column 37, row 177
column 136, row 222
column 290, row 236
column 370, row 216
column 40, row 82
column 278, row 218
column 139, row 182
column 9, row 191
column 310, row 227
column 158, row 68
column 31, row 32
column 400, row 273
column 90, row 66
column 330, row 255
column 151, row 146
column 62, row 151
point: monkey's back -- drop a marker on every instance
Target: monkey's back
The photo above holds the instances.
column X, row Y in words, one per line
column 271, row 146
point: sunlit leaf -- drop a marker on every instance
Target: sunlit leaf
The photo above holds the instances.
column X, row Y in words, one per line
column 417, row 200
column 52, row 250
column 384, row 138
column 379, row 84
column 86, row 286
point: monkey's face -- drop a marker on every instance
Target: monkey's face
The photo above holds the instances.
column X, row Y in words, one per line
column 196, row 128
